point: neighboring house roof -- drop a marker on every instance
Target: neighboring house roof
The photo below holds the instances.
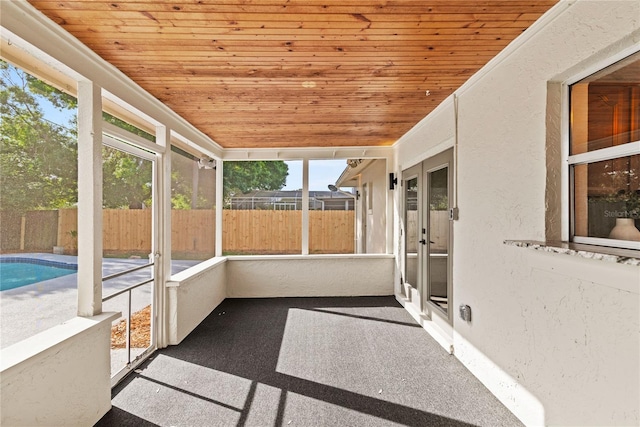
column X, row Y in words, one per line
column 294, row 194
column 318, row 200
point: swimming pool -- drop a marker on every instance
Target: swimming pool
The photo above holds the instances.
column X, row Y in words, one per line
column 16, row 271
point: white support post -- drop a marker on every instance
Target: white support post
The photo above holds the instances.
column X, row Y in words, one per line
column 89, row 199
column 305, row 207
column 162, row 226
column 392, row 200
column 358, row 208
column 219, row 203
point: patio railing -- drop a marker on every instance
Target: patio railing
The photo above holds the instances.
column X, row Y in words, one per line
column 128, row 315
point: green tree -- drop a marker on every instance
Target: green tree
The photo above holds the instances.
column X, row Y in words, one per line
column 127, row 180
column 38, row 167
column 38, row 158
column 191, row 187
column 126, row 126
column 245, row 176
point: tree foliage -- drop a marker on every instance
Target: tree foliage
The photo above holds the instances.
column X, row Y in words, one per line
column 38, row 167
column 191, row 186
column 127, row 180
column 38, row 158
column 244, row 176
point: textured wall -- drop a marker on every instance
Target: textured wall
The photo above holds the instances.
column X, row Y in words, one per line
column 193, row 294
column 376, row 178
column 60, row 377
column 555, row 338
column 323, row 275
column 434, row 134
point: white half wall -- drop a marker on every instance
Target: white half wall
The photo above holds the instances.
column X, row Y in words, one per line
column 193, row 294
column 310, row 275
column 60, row 377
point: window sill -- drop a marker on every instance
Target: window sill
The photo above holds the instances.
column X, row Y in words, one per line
column 618, row 256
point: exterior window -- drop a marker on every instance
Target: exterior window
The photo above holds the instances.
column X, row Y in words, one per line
column 604, row 156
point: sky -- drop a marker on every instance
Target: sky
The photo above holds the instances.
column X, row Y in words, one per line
column 52, row 114
column 321, row 174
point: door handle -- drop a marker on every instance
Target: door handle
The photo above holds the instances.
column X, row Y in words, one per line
column 423, row 241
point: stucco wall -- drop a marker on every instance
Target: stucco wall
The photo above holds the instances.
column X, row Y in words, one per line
column 313, row 275
column 193, row 294
column 60, row 377
column 432, row 135
column 376, row 227
column 554, row 337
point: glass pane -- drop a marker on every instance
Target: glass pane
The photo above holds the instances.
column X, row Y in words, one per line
column 332, row 218
column 607, row 193
column 38, row 196
column 262, row 208
column 413, row 233
column 605, row 107
column 193, row 220
column 438, row 237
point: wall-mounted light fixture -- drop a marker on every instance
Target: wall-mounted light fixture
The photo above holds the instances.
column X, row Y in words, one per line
column 393, row 181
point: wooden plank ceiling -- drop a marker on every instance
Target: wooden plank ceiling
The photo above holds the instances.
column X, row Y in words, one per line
column 298, row 73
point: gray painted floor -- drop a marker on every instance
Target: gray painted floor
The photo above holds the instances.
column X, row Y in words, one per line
column 305, row 362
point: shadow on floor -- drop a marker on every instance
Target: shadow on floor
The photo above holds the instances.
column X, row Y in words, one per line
column 305, row 362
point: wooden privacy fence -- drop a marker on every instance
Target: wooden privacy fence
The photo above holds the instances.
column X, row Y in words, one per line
column 128, row 231
column 261, row 231
column 280, row 232
column 193, row 231
column 34, row 231
column 331, row 232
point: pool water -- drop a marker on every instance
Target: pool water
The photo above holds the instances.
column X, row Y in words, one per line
column 16, row 274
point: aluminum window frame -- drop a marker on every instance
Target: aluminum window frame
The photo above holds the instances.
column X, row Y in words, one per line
column 571, row 161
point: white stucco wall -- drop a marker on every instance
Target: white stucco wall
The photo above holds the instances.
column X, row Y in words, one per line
column 312, row 275
column 556, row 338
column 432, row 135
column 193, row 294
column 60, row 377
column 375, row 176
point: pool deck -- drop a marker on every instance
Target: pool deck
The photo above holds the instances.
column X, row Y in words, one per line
column 30, row 309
